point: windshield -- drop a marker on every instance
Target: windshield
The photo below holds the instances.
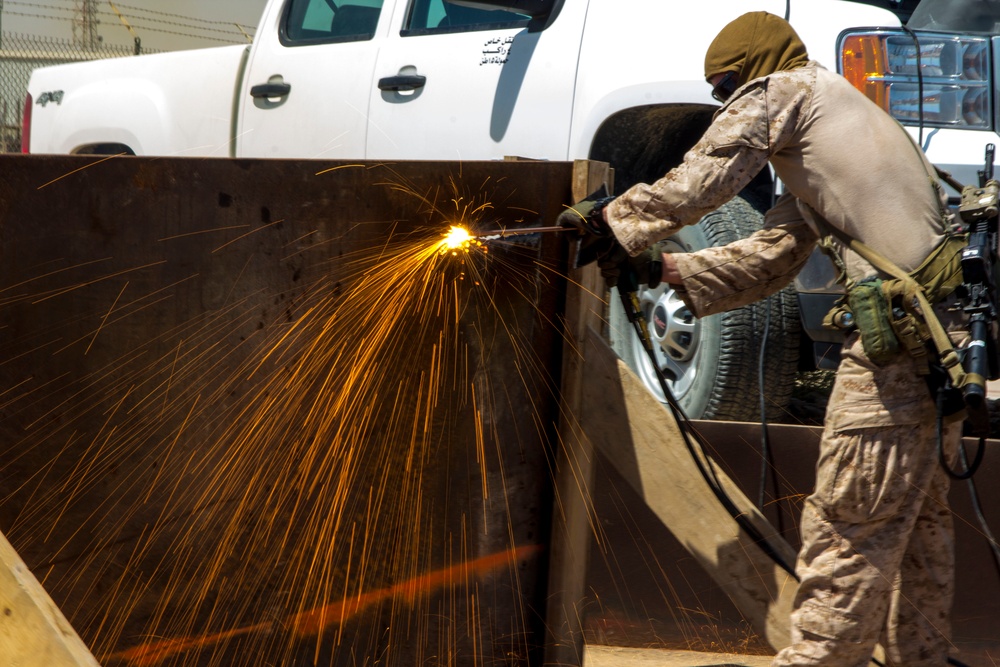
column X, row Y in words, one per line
column 957, row 16
column 901, row 8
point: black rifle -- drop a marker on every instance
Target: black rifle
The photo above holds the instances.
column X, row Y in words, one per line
column 979, row 210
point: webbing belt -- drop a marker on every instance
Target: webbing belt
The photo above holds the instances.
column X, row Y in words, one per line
column 912, row 290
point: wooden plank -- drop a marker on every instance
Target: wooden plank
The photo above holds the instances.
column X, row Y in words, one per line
column 620, row 656
column 572, row 523
column 33, row 632
column 640, row 437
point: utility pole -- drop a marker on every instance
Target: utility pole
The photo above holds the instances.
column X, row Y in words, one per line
column 85, row 24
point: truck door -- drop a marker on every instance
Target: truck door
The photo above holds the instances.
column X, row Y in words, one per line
column 460, row 82
column 307, row 85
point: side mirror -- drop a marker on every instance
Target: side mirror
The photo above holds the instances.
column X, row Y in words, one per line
column 536, row 9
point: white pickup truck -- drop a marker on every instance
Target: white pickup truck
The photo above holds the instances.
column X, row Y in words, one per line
column 613, row 80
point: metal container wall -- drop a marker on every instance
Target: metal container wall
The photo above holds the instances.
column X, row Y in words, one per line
column 250, row 416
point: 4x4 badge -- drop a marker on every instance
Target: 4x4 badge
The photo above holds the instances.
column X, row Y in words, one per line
column 50, row 96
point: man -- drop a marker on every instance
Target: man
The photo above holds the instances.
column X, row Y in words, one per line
column 877, row 549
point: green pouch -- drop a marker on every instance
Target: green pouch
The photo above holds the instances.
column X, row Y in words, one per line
column 871, row 314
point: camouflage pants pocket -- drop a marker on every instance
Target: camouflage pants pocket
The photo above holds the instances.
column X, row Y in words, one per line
column 873, row 475
column 841, row 485
column 830, row 623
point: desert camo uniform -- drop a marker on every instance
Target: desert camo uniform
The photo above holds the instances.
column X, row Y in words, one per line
column 877, row 537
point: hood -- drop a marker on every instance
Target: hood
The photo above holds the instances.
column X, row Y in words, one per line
column 755, row 45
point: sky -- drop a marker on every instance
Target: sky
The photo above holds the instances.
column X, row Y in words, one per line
column 162, row 25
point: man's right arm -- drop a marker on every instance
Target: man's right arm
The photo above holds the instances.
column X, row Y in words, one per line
column 717, row 279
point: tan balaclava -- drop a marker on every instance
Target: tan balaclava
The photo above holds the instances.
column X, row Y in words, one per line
column 755, row 45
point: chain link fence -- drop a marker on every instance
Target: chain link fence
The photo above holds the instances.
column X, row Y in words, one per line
column 18, row 57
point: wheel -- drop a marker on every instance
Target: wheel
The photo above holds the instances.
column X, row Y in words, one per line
column 712, row 364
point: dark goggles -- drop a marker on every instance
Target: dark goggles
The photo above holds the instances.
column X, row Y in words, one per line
column 726, row 87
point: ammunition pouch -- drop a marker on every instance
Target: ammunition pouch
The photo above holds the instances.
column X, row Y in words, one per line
column 870, row 311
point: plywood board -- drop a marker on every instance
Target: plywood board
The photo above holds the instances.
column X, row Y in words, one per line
column 641, row 439
column 33, row 632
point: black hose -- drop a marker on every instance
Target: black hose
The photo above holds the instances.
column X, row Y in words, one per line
column 978, row 509
column 980, row 451
column 693, row 440
column 920, row 86
column 970, row 471
column 765, row 441
column 950, row 661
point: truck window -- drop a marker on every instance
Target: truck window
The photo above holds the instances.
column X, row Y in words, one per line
column 980, row 16
column 323, row 21
column 435, row 16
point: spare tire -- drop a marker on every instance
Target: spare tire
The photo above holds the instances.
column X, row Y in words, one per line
column 712, row 364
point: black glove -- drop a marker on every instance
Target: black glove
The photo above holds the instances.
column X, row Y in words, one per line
column 587, row 217
column 627, row 273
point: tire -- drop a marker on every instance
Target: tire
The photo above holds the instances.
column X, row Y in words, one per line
column 712, row 364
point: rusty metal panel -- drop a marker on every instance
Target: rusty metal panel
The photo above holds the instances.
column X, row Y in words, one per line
column 246, row 418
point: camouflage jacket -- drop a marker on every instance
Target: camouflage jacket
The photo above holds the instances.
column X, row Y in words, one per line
column 840, row 158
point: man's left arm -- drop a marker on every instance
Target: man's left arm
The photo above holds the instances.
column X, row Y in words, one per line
column 718, row 279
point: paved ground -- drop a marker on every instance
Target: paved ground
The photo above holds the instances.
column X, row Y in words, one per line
column 613, row 656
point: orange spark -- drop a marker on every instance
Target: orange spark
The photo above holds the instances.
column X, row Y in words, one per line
column 156, row 652
column 315, row 621
column 110, row 157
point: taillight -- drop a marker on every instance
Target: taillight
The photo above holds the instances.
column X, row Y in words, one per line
column 26, row 125
column 952, row 73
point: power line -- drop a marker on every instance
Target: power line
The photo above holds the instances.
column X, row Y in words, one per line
column 176, row 16
column 97, row 10
column 85, row 17
column 40, row 5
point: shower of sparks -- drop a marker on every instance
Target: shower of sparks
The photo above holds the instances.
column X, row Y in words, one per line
column 305, row 485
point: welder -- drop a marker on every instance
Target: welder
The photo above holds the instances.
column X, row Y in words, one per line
column 877, row 539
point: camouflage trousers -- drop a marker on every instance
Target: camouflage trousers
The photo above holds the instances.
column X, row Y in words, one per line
column 877, row 542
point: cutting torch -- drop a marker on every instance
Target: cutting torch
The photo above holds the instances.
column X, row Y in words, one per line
column 493, row 234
